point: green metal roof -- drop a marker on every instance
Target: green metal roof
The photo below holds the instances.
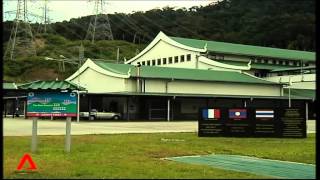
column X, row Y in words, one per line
column 50, row 85
column 9, row 86
column 195, row 95
column 294, row 68
column 248, row 50
column 302, row 93
column 182, row 73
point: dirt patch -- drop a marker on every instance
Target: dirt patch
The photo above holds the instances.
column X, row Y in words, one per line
column 42, row 74
column 40, row 43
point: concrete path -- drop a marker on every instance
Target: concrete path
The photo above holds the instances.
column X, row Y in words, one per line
column 23, row 127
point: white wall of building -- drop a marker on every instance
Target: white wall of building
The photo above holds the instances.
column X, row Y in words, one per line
column 305, row 81
column 205, row 87
column 96, row 82
column 165, row 50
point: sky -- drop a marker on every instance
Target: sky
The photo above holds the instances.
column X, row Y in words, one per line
column 60, row 10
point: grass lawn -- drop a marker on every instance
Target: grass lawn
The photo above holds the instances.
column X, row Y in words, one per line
column 139, row 155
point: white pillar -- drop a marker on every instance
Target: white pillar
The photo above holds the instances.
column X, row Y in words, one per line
column 168, row 113
column 307, row 111
column 78, row 108
column 289, row 98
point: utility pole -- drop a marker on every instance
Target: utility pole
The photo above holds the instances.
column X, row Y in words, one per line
column 99, row 27
column 21, row 41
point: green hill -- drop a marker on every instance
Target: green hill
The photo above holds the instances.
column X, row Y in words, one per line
column 285, row 24
column 25, row 69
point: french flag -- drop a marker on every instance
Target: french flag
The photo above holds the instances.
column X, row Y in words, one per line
column 237, row 113
column 211, row 113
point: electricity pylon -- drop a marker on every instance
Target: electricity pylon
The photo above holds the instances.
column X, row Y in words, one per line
column 99, row 27
column 21, row 42
column 43, row 27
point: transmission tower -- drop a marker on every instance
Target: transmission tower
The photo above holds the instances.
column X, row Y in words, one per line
column 21, row 41
column 43, row 27
column 99, row 27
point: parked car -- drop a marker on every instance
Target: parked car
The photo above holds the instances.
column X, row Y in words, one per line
column 94, row 114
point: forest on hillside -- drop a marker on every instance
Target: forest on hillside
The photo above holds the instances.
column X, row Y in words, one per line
column 286, row 24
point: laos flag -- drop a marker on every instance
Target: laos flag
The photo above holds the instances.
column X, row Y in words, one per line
column 237, row 113
column 211, row 113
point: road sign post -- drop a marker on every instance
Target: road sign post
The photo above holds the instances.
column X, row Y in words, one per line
column 34, row 135
column 68, row 135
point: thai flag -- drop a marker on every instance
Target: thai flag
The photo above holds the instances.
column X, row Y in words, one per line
column 267, row 113
column 211, row 113
column 237, row 113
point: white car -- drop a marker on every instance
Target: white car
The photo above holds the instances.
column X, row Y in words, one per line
column 94, row 114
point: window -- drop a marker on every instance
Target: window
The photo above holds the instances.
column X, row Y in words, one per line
column 153, row 62
column 176, row 60
column 148, row 63
column 143, row 63
column 273, row 61
column 277, row 61
column 256, row 74
column 182, row 58
column 164, row 61
column 170, row 60
column 283, row 62
column 306, row 64
column 188, row 57
column 290, row 63
column 287, row 62
column 159, row 62
column 262, row 60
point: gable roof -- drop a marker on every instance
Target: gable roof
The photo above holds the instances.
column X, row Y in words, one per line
column 50, row 85
column 249, row 50
column 181, row 73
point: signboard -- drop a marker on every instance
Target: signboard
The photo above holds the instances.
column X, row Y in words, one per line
column 238, row 122
column 211, row 122
column 293, row 122
column 252, row 122
column 47, row 104
column 265, row 122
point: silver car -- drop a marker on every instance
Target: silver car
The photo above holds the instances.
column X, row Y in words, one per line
column 94, row 114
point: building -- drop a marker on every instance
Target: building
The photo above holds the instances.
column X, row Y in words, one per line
column 168, row 93
column 173, row 77
column 274, row 64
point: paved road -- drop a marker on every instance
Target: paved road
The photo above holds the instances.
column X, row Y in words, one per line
column 23, row 127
